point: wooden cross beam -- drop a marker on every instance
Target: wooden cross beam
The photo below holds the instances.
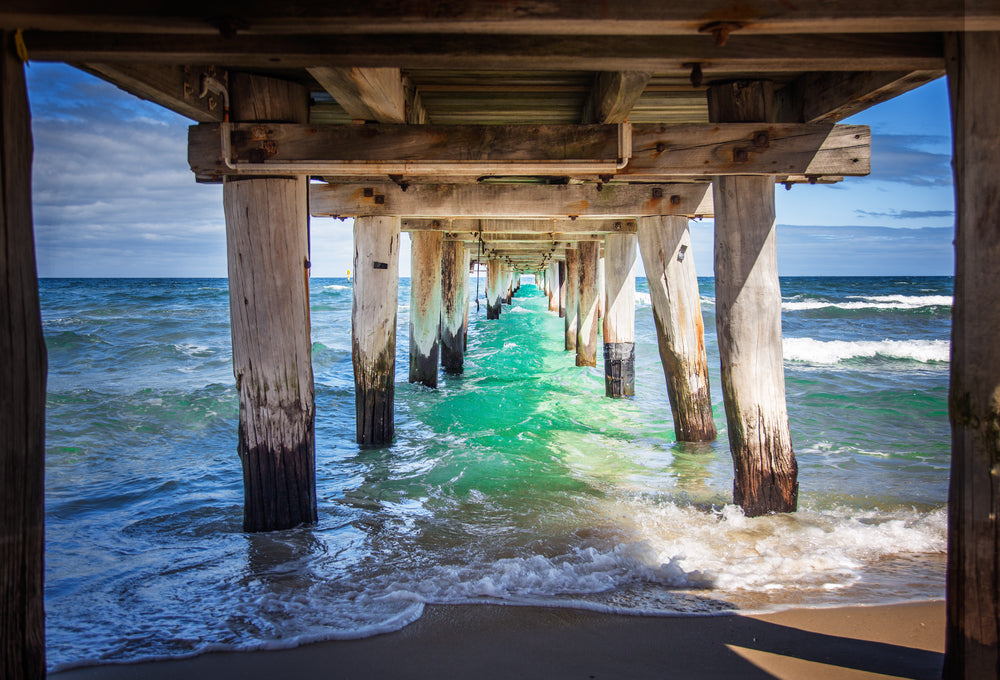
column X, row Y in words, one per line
column 436, row 201
column 622, row 151
column 525, row 229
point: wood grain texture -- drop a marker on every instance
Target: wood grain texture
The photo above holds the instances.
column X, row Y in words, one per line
column 268, row 254
column 524, row 229
column 972, row 648
column 658, row 150
column 586, row 333
column 748, row 320
column 375, row 94
column 665, row 244
column 619, row 318
column 613, row 96
column 425, row 306
column 572, row 299
column 494, row 283
column 172, row 86
column 553, row 17
column 507, row 201
column 22, row 390
column 744, row 52
column 454, row 304
column 373, row 326
column 829, row 97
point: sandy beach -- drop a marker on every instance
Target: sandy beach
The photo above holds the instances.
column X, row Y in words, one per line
column 484, row 642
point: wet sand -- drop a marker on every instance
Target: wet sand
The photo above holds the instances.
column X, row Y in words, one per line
column 486, row 642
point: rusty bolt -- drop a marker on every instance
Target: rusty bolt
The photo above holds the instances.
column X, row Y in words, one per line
column 762, row 139
column 258, row 133
column 368, row 192
column 618, row 226
column 740, row 156
column 270, row 148
column 380, row 200
column 657, row 192
column 675, row 200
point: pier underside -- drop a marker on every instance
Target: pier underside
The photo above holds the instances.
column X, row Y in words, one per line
column 540, row 137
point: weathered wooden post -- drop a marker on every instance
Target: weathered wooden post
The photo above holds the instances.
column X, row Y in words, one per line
column 619, row 318
column 373, row 326
column 425, row 306
column 454, row 305
column 748, row 318
column 602, row 282
column 972, row 647
column 466, row 298
column 22, row 390
column 586, row 337
column 552, row 286
column 267, row 225
column 494, row 284
column 561, row 283
column 572, row 285
column 665, row 243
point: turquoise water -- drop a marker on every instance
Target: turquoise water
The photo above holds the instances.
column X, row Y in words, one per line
column 517, row 482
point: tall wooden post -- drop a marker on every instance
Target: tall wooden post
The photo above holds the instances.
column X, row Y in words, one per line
column 602, row 283
column 619, row 317
column 466, row 298
column 665, row 243
column 552, row 286
column 425, row 306
column 972, row 647
column 267, row 237
column 748, row 319
column 22, row 390
column 586, row 336
column 494, row 283
column 454, row 305
column 572, row 285
column 373, row 326
column 561, row 283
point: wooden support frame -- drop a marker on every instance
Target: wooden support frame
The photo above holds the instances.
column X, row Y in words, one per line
column 22, row 390
column 522, row 228
column 267, row 226
column 435, row 201
column 972, row 642
column 572, row 299
column 172, row 86
column 649, row 151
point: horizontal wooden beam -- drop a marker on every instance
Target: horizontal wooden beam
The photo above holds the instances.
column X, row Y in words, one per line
column 830, row 97
column 570, row 17
column 510, row 201
column 526, row 229
column 365, row 93
column 744, row 53
column 177, row 88
column 683, row 150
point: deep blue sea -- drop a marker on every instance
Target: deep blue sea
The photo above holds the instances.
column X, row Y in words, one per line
column 517, row 482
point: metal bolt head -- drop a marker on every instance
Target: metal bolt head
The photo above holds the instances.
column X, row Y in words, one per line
column 657, row 192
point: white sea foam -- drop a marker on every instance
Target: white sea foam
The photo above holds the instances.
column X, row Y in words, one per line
column 643, row 299
column 808, row 350
column 335, row 286
column 872, row 302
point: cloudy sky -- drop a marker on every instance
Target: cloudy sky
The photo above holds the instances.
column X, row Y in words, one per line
column 113, row 195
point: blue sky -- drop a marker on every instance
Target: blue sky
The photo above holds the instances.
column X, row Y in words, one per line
column 113, row 195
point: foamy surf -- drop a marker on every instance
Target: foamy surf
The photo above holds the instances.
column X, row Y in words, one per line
column 808, row 350
column 883, row 302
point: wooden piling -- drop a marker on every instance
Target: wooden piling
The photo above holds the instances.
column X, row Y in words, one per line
column 586, row 337
column 748, row 319
column 572, row 286
column 22, row 390
column 552, row 286
column 373, row 326
column 602, row 282
column 466, row 298
column 665, row 243
column 494, row 288
column 972, row 647
column 425, row 306
column 267, row 226
column 619, row 317
column 561, row 283
column 454, row 305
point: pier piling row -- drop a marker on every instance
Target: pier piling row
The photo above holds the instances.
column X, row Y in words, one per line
column 300, row 116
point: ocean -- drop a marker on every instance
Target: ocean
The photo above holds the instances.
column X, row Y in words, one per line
column 515, row 483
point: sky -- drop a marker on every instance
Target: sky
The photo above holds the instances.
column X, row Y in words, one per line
column 114, row 197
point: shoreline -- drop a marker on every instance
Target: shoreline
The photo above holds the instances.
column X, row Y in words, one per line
column 505, row 641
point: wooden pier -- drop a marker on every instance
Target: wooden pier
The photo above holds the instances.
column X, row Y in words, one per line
column 533, row 138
